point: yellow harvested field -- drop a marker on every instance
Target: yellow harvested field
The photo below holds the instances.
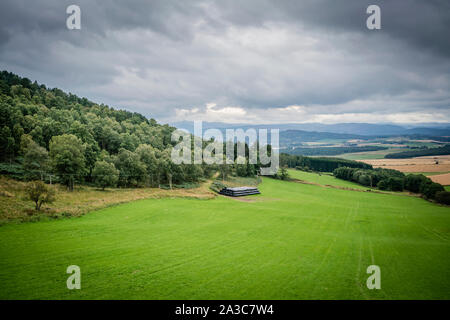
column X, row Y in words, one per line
column 443, row 179
column 419, row 164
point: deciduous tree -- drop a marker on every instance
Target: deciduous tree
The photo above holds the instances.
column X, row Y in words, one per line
column 67, row 158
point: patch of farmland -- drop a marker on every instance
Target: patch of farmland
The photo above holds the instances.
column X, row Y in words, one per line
column 419, row 164
column 443, row 179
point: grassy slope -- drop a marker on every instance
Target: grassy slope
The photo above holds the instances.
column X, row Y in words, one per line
column 294, row 241
column 85, row 199
column 324, row 179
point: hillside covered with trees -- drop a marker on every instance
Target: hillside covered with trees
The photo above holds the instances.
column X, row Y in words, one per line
column 49, row 134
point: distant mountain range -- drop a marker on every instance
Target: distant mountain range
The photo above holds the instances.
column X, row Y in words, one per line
column 356, row 130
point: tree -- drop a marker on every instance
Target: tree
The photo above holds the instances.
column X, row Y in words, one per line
column 225, row 168
column 7, row 143
column 36, row 159
column 364, row 179
column 395, row 184
column 67, row 158
column 147, row 156
column 40, row 193
column 105, row 174
column 167, row 166
column 413, row 182
column 383, row 184
column 430, row 189
column 25, row 141
column 241, row 166
column 91, row 152
column 132, row 170
column 443, row 197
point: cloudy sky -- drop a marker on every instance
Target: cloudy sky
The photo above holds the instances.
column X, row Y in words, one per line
column 252, row 61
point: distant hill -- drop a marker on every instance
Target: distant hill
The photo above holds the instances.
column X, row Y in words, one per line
column 294, row 138
column 360, row 129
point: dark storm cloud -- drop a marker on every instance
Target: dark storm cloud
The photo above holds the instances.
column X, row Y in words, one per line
column 227, row 60
column 423, row 23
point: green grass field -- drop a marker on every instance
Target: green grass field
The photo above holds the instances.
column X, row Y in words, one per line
column 324, row 179
column 294, row 241
column 369, row 155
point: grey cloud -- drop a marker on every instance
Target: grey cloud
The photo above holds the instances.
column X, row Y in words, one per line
column 156, row 57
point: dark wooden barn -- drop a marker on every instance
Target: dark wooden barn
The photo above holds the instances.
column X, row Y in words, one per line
column 239, row 191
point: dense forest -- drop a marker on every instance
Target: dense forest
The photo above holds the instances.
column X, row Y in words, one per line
column 47, row 134
column 420, row 153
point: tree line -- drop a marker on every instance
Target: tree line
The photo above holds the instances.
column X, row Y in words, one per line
column 393, row 180
column 321, row 164
column 420, row 152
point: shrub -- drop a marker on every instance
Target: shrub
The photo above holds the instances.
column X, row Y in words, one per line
column 443, row 197
column 282, row 174
column 216, row 186
column 40, row 193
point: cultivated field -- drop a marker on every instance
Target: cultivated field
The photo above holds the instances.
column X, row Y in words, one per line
column 294, row 241
column 437, row 168
column 443, row 179
column 419, row 164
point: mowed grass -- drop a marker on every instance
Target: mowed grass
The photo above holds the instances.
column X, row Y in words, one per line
column 294, row 241
column 324, row 179
column 368, row 155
